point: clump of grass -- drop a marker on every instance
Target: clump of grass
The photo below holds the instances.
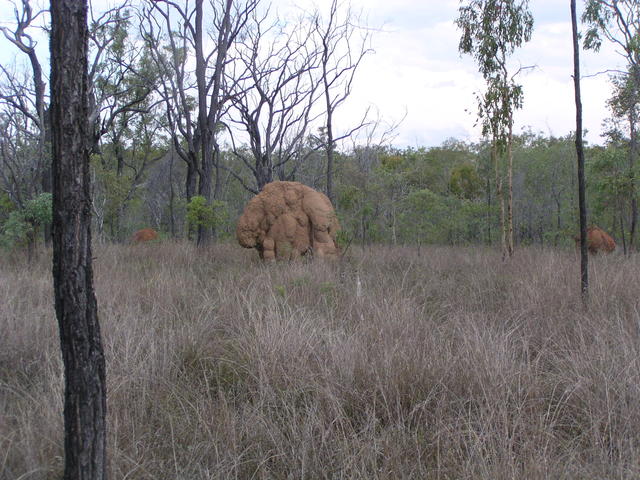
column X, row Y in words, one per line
column 446, row 364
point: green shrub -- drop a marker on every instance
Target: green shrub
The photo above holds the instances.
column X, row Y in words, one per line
column 22, row 225
column 201, row 214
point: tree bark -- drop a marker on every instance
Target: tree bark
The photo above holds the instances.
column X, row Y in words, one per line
column 500, row 199
column 75, row 302
column 510, row 198
column 488, row 211
column 633, row 153
column 582, row 203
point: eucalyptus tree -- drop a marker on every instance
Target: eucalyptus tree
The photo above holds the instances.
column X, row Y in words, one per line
column 75, row 302
column 618, row 22
column 120, row 75
column 491, row 32
column 273, row 89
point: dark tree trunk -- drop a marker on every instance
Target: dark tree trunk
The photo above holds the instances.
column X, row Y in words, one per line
column 172, row 220
column 622, row 232
column 46, row 172
column 489, row 240
column 204, row 190
column 633, row 153
column 207, row 117
column 204, row 185
column 330, row 148
column 584, row 259
column 75, row 302
column 558, row 222
column 264, row 172
column 192, row 172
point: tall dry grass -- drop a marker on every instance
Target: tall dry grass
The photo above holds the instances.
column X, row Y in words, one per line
column 444, row 365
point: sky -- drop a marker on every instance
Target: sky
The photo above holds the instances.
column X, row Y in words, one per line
column 416, row 75
column 416, row 71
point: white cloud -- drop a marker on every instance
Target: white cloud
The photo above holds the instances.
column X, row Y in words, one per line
column 417, row 67
column 417, row 70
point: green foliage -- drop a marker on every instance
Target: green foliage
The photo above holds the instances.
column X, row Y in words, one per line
column 429, row 217
column 23, row 224
column 391, row 163
column 349, row 197
column 280, row 290
column 615, row 21
column 465, row 182
column 491, row 31
column 201, row 214
column 6, row 206
column 610, row 182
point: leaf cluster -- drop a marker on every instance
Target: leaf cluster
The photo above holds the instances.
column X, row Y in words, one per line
column 22, row 224
column 202, row 214
column 491, row 31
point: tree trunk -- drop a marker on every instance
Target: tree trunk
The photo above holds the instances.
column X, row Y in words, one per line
column 46, row 171
column 623, row 235
column 204, row 190
column 488, row 211
column 510, row 199
column 330, row 146
column 264, row 172
column 633, row 153
column 558, row 222
column 204, row 184
column 500, row 199
column 582, row 202
column 172, row 218
column 75, row 302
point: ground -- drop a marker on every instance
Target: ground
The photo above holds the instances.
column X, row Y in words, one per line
column 449, row 364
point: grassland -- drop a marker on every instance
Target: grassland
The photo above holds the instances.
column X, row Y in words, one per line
column 439, row 364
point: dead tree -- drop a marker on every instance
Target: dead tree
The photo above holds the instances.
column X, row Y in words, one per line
column 341, row 53
column 28, row 99
column 273, row 89
column 75, row 301
column 193, row 98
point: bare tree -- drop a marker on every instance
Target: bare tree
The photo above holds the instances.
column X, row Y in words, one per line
column 75, row 301
column 180, row 30
column 117, row 90
column 341, row 53
column 29, row 98
column 273, row 88
column 19, row 143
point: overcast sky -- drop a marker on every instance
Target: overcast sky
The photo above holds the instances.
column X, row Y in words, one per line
column 416, row 71
column 416, row 68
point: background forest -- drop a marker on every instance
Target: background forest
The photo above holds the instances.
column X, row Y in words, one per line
column 420, row 354
column 195, row 107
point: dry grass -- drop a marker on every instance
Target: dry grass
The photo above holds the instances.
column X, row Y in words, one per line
column 448, row 365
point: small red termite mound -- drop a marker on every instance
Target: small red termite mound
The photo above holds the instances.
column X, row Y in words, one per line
column 144, row 235
column 597, row 241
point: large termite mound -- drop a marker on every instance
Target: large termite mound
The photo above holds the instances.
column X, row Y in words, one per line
column 287, row 220
column 597, row 240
